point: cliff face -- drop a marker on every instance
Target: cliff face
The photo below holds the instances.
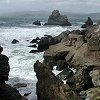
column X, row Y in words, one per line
column 78, row 50
column 6, row 91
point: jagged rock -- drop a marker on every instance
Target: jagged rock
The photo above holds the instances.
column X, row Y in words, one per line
column 88, row 23
column 56, row 19
column 49, row 87
column 34, row 41
column 93, row 94
column 15, row 41
column 6, row 91
column 37, row 38
column 37, row 23
column 94, row 43
column 81, row 80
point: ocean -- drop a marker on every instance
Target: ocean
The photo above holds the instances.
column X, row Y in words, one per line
column 20, row 60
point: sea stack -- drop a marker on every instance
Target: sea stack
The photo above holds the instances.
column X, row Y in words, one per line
column 57, row 19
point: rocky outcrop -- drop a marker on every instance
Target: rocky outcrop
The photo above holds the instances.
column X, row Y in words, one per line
column 49, row 87
column 37, row 23
column 93, row 94
column 15, row 41
column 88, row 23
column 57, row 19
column 6, row 91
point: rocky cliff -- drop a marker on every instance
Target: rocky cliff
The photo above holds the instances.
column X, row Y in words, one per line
column 77, row 54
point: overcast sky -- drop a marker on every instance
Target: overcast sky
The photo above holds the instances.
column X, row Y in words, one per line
column 45, row 5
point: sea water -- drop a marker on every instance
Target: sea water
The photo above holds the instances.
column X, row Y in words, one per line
column 20, row 60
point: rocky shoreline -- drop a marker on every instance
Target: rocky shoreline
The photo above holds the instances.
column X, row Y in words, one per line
column 78, row 50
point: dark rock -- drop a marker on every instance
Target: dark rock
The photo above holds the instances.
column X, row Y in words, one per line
column 9, row 93
column 34, row 41
column 56, row 19
column 47, row 36
column 81, row 80
column 4, row 68
column 34, row 45
column 15, row 41
column 65, row 74
column 1, row 49
column 88, row 23
column 49, row 87
column 6, row 91
column 19, row 85
column 34, row 51
column 43, row 44
column 26, row 94
column 37, row 23
column 37, row 38
column 61, row 64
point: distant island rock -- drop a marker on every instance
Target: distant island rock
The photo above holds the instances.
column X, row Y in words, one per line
column 88, row 23
column 57, row 19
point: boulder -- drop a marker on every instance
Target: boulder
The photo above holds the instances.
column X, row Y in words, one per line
column 37, row 23
column 49, row 87
column 57, row 19
column 15, row 41
column 88, row 23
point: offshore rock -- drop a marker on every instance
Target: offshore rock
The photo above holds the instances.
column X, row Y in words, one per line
column 15, row 41
column 88, row 23
column 49, row 87
column 56, row 19
column 37, row 23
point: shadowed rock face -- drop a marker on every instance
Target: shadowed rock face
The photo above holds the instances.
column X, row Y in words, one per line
column 4, row 67
column 6, row 91
column 49, row 87
column 56, row 19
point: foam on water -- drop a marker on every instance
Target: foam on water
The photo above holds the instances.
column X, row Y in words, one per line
column 21, row 61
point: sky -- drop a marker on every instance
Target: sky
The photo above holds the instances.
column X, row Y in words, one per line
column 76, row 6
